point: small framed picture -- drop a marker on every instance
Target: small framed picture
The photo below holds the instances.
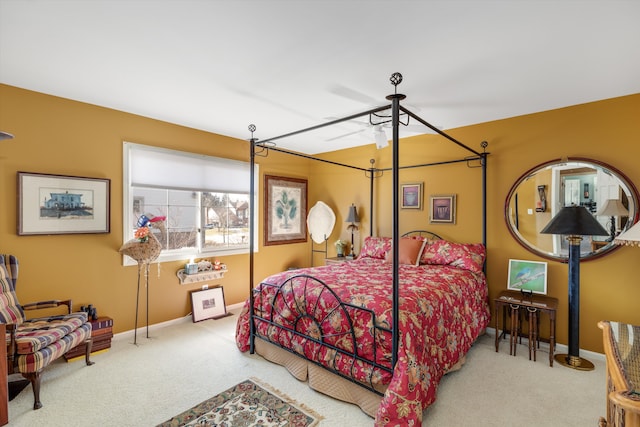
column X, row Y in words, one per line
column 529, row 276
column 208, row 304
column 442, row 209
column 411, row 195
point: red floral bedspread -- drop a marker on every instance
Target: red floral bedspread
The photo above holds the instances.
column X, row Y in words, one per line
column 443, row 309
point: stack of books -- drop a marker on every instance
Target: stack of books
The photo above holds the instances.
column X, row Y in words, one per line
column 101, row 332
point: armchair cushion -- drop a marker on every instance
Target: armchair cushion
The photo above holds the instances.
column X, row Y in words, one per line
column 10, row 310
column 34, row 362
column 36, row 334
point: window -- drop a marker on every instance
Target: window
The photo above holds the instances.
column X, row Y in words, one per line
column 204, row 199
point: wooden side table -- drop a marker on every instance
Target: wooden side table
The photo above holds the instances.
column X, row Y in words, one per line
column 518, row 304
column 101, row 332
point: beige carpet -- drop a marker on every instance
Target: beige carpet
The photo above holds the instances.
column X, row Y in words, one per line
column 186, row 363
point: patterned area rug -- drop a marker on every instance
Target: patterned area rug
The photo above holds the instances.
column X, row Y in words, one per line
column 246, row 404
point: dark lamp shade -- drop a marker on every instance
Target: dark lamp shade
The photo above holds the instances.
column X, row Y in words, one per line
column 574, row 221
column 353, row 215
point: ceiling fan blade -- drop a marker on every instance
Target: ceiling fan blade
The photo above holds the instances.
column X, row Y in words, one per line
column 354, row 95
column 346, row 135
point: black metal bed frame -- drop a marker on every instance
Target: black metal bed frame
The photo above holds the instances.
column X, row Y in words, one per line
column 261, row 149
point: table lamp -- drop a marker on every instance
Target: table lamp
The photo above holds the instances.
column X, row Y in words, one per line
column 574, row 222
column 631, row 237
column 352, row 218
column 613, row 208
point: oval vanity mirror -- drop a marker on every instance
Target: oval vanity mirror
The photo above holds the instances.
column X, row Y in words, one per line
column 542, row 191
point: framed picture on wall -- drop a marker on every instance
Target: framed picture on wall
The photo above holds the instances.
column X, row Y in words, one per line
column 411, row 196
column 285, row 210
column 61, row 204
column 530, row 276
column 442, row 209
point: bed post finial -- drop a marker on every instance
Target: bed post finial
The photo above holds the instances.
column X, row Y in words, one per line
column 252, row 128
column 396, row 79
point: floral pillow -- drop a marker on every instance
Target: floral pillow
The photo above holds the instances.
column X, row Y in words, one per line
column 375, row 247
column 469, row 256
column 409, row 250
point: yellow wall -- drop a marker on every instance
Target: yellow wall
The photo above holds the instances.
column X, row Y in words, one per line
column 606, row 130
column 59, row 136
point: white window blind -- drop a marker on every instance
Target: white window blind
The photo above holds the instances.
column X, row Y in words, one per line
column 178, row 170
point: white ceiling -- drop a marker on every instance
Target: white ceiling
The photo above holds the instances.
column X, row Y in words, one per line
column 221, row 65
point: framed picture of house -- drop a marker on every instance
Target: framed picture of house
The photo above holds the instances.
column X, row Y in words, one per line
column 442, row 209
column 61, row 204
column 411, row 196
column 208, row 304
column 529, row 276
column 285, row 205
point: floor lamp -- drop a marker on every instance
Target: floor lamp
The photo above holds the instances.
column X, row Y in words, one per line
column 574, row 222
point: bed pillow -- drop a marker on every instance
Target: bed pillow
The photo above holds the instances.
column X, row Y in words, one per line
column 375, row 247
column 469, row 256
column 409, row 250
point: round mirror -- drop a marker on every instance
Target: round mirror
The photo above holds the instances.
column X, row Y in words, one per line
column 542, row 191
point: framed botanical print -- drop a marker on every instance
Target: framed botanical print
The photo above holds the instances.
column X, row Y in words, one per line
column 285, row 204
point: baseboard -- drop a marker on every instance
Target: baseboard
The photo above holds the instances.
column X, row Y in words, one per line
column 143, row 329
column 562, row 348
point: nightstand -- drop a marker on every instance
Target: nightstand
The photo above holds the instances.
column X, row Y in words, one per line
column 101, row 332
column 519, row 304
column 337, row 260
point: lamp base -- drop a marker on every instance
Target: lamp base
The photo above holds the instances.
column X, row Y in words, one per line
column 574, row 362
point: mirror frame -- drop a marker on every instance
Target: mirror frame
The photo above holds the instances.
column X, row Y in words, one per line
column 609, row 248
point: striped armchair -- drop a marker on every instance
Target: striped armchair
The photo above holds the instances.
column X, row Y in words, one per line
column 32, row 344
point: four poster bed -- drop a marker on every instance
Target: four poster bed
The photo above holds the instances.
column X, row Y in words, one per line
column 379, row 331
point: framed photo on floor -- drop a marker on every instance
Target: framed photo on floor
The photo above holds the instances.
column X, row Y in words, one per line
column 208, row 304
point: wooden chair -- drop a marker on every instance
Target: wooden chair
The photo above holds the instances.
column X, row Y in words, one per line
column 622, row 352
column 32, row 344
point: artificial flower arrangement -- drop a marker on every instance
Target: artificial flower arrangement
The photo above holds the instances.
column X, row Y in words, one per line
column 144, row 224
column 142, row 234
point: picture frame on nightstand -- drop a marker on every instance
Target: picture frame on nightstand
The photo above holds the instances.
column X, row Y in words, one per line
column 527, row 276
